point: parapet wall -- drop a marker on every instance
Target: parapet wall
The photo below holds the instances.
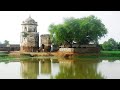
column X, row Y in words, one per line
column 66, row 49
column 80, row 50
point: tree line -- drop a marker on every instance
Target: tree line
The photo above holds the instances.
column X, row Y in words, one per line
column 110, row 45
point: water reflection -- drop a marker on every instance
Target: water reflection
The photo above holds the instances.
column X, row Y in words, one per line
column 71, row 69
column 109, row 69
column 29, row 69
column 35, row 68
column 68, row 69
column 46, row 66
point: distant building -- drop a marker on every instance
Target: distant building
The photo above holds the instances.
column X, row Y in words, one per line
column 3, row 47
column 14, row 47
column 29, row 41
column 45, row 40
column 11, row 47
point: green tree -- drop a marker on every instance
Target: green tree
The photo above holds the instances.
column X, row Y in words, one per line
column 118, row 45
column 6, row 42
column 80, row 30
column 62, row 34
column 92, row 29
column 106, row 46
column 109, row 45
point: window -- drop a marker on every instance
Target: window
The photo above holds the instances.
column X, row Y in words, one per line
column 25, row 28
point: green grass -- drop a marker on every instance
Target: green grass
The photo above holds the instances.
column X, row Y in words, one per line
column 111, row 52
column 109, row 55
column 103, row 55
column 6, row 57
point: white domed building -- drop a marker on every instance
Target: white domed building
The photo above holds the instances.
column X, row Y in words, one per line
column 29, row 40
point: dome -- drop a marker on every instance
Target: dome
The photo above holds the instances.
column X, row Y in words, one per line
column 29, row 21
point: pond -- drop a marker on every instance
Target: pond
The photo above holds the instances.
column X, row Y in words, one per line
column 60, row 69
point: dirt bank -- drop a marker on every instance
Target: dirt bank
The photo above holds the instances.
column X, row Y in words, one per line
column 35, row 54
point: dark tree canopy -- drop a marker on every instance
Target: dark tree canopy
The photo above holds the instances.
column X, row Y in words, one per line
column 80, row 30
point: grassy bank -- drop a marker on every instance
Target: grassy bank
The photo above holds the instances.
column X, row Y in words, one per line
column 103, row 55
column 24, row 56
column 11, row 58
column 4, row 56
column 110, row 53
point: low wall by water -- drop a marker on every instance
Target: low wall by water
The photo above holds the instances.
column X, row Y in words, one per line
column 80, row 50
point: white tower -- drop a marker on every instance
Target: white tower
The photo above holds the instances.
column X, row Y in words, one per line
column 29, row 36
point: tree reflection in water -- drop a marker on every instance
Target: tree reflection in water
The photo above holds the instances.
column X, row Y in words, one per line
column 80, row 69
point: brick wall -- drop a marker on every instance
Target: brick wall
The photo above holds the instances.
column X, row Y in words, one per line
column 29, row 49
column 81, row 50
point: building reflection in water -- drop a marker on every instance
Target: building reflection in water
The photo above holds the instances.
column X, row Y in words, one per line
column 29, row 69
column 33, row 69
column 48, row 68
column 45, row 66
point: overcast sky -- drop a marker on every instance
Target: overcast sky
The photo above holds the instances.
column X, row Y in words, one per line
column 10, row 22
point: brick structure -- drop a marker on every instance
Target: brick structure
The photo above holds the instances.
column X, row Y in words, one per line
column 29, row 36
column 91, row 48
column 45, row 40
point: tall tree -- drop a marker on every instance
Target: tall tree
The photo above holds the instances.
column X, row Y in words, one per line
column 118, row 45
column 92, row 29
column 80, row 30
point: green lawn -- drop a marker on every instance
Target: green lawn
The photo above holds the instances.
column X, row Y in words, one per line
column 111, row 52
column 103, row 55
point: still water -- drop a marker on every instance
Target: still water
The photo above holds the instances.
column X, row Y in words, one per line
column 60, row 69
